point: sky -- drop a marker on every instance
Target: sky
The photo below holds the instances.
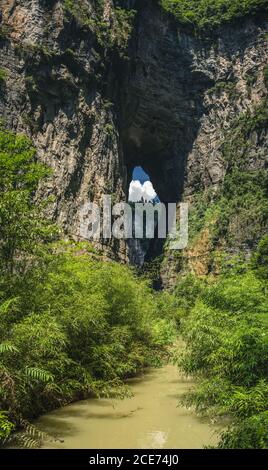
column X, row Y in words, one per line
column 140, row 175
column 141, row 186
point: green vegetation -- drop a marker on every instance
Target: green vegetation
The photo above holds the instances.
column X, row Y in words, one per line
column 114, row 35
column 35, row 52
column 226, row 87
column 21, row 226
column 251, row 433
column 77, row 327
column 81, row 12
column 226, row 336
column 260, row 259
column 6, row 427
column 4, row 32
column 122, row 28
column 223, row 320
column 243, row 207
column 251, row 78
column 236, row 213
column 109, row 129
column 3, row 75
column 211, row 13
column 265, row 74
column 71, row 325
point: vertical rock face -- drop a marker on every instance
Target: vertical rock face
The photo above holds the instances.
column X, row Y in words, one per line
column 54, row 93
column 94, row 114
column 174, row 117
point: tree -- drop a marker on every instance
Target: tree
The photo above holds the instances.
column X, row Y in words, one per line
column 22, row 225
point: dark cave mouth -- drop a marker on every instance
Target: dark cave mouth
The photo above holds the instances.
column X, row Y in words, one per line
column 156, row 151
column 163, row 167
column 158, row 187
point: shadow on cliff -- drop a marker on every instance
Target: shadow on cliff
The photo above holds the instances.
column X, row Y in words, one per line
column 161, row 97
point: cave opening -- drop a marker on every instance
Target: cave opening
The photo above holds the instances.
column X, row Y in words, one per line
column 154, row 175
column 141, row 192
column 153, row 142
column 163, row 167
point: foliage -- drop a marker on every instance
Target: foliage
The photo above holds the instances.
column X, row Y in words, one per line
column 4, row 32
column 260, row 259
column 228, row 87
column 6, row 427
column 71, row 325
column 122, row 27
column 3, row 75
column 151, row 269
column 243, row 208
column 202, row 211
column 88, row 324
column 110, row 35
column 236, row 213
column 186, row 292
column 22, row 226
column 211, row 13
column 237, row 142
column 81, row 11
column 226, row 335
column 250, row 434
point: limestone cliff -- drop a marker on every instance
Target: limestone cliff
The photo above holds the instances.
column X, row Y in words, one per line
column 100, row 90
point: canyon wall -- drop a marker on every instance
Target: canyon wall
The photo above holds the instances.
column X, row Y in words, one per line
column 100, row 90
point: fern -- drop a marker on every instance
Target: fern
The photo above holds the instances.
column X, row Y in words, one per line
column 6, row 306
column 30, row 437
column 27, row 441
column 39, row 374
column 32, row 430
column 8, row 347
column 6, row 427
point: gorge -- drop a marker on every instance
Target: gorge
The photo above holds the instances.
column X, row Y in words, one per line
column 95, row 111
column 90, row 90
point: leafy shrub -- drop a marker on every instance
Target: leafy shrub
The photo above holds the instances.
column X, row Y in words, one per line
column 122, row 28
column 4, row 32
column 226, row 339
column 260, row 259
column 22, row 226
column 186, row 292
column 3, row 76
column 6, row 427
column 115, row 35
column 252, row 433
column 211, row 13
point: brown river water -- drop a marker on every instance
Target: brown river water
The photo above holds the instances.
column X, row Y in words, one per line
column 151, row 419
